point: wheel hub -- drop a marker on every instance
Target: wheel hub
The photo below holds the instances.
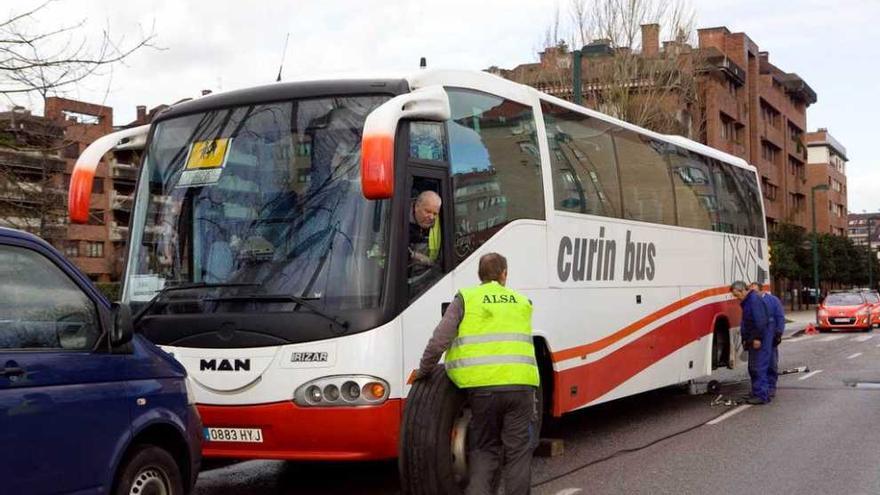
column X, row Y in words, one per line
column 458, row 446
column 149, row 481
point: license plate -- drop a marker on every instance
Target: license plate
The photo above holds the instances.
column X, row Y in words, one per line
column 840, row 320
column 249, row 435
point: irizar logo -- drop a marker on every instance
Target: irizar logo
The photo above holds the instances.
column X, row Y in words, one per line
column 309, row 357
column 225, row 365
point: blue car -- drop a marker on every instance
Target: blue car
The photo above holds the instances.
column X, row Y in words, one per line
column 85, row 405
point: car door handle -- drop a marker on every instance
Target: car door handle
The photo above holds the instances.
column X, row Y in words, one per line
column 11, row 371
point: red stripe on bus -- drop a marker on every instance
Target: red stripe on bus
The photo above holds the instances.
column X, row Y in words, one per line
column 636, row 326
column 579, row 386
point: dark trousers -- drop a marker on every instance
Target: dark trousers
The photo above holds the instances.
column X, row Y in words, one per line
column 501, row 436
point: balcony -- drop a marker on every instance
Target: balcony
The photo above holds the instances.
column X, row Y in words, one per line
column 124, row 172
column 118, row 232
column 32, row 160
column 121, row 201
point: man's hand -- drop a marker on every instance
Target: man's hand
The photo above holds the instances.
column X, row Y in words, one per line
column 418, row 375
column 420, row 258
column 777, row 339
column 756, row 344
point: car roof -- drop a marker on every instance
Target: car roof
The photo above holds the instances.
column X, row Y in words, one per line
column 20, row 234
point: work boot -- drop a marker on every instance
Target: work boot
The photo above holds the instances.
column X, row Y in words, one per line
column 756, row 401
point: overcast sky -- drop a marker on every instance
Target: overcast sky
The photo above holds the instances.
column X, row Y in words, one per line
column 229, row 44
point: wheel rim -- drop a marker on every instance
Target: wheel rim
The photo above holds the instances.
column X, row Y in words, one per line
column 458, row 446
column 150, row 481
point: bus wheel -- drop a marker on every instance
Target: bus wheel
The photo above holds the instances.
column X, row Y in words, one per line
column 433, row 438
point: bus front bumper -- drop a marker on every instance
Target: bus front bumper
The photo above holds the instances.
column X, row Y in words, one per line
column 291, row 432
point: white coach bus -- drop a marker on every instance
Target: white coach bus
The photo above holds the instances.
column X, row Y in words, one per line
column 270, row 255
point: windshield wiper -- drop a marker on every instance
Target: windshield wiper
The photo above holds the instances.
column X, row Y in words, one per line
column 172, row 288
column 300, row 301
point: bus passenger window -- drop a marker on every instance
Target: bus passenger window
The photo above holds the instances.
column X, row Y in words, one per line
column 694, row 190
column 495, row 167
column 644, row 178
column 582, row 160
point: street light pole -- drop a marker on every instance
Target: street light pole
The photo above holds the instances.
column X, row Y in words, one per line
column 870, row 261
column 576, row 56
column 820, row 187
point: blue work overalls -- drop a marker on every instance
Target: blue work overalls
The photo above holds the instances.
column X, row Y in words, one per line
column 756, row 324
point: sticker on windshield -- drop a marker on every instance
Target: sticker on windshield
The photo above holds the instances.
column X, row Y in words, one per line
column 144, row 287
column 204, row 162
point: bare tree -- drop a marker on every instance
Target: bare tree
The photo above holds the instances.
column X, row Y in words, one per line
column 37, row 59
column 651, row 87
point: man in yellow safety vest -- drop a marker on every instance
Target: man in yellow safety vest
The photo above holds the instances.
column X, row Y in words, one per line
column 486, row 333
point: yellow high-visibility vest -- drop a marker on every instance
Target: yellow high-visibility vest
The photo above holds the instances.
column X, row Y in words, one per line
column 494, row 342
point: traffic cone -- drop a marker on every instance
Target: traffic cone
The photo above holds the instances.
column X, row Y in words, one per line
column 811, row 329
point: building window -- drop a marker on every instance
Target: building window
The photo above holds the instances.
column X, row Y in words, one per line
column 770, row 152
column 796, row 202
column 770, row 190
column 770, row 115
column 95, row 249
column 797, row 169
column 71, row 249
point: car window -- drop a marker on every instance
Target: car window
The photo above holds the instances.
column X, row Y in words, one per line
column 844, row 300
column 872, row 297
column 40, row 306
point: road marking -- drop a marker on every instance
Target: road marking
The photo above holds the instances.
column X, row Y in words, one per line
column 855, row 355
column 730, row 413
column 799, row 339
column 569, row 491
column 812, row 373
column 878, row 345
column 863, row 338
column 832, row 337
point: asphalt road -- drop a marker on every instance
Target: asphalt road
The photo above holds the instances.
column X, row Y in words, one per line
column 820, row 435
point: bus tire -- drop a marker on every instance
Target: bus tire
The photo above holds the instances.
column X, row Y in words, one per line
column 432, row 453
column 426, row 461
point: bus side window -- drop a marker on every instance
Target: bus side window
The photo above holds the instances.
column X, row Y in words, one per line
column 582, row 160
column 495, row 167
column 644, row 178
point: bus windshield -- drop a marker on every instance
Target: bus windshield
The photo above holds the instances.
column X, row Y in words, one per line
column 259, row 202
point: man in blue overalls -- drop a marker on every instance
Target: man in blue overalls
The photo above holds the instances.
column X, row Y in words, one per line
column 757, row 337
column 777, row 323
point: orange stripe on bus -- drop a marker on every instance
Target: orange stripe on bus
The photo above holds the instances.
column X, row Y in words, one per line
column 582, row 350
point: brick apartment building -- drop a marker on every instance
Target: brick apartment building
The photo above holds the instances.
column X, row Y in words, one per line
column 826, row 164
column 37, row 155
column 862, row 225
column 747, row 106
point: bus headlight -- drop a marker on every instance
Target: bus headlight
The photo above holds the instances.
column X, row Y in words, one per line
column 342, row 390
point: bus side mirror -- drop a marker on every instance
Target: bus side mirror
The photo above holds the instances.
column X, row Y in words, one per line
column 377, row 147
column 122, row 328
column 80, row 191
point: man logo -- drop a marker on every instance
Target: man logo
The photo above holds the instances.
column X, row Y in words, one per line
column 225, row 365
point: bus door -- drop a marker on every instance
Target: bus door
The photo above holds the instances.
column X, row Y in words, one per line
column 428, row 234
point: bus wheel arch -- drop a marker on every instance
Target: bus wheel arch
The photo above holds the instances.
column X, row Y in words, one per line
column 721, row 343
column 545, row 371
